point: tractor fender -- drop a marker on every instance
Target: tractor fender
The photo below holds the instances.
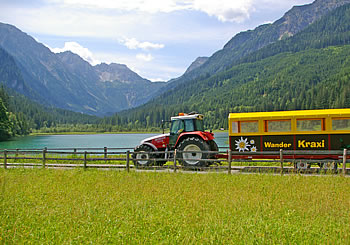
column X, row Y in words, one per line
column 203, row 135
column 150, row 145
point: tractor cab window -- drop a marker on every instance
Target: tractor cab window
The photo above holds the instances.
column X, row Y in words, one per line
column 189, row 127
column 177, row 126
column 199, row 125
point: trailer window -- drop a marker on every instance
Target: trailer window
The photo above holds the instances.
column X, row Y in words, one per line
column 310, row 124
column 341, row 124
column 249, row 127
column 235, row 127
column 278, row 126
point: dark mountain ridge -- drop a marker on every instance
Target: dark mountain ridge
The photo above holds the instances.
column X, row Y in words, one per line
column 10, row 75
column 67, row 81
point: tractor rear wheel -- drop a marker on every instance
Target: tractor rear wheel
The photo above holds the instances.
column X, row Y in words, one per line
column 196, row 147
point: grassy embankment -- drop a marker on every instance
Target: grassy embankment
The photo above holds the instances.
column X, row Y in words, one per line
column 63, row 207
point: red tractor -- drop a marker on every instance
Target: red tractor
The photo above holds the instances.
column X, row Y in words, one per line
column 186, row 134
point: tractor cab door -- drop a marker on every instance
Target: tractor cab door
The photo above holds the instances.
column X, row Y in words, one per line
column 177, row 127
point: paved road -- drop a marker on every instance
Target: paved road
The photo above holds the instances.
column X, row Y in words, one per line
column 219, row 169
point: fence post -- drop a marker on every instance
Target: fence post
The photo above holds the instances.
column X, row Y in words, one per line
column 128, row 161
column 5, row 159
column 44, row 157
column 17, row 150
column 85, row 156
column 344, row 161
column 229, row 160
column 281, row 159
column 105, row 153
column 175, row 161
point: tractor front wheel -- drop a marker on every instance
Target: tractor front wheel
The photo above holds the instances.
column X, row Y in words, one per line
column 142, row 155
column 196, row 148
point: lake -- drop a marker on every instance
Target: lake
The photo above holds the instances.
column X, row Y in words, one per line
column 88, row 141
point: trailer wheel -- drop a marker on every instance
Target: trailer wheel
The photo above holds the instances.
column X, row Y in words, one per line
column 302, row 165
column 142, row 155
column 193, row 158
column 329, row 166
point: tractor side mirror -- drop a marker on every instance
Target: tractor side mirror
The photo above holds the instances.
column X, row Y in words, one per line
column 163, row 124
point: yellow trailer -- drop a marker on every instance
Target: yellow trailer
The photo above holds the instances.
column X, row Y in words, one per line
column 309, row 130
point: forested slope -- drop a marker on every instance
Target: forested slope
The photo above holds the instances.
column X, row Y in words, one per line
column 244, row 43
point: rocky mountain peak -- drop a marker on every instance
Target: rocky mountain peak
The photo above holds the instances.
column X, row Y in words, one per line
column 300, row 17
column 197, row 63
column 118, row 72
column 293, row 21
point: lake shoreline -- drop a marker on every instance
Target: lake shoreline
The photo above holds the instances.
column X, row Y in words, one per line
column 126, row 132
column 99, row 140
column 92, row 133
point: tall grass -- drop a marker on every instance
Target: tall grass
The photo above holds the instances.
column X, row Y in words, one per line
column 74, row 206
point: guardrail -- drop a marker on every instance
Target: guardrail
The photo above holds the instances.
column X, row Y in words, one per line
column 122, row 158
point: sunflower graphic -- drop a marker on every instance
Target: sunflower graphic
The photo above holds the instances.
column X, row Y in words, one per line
column 242, row 144
column 253, row 149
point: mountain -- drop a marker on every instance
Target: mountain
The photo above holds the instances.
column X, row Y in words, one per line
column 197, row 63
column 135, row 90
column 10, row 75
column 244, row 43
column 118, row 72
column 67, row 81
column 308, row 70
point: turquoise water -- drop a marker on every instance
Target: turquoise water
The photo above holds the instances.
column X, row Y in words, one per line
column 88, row 141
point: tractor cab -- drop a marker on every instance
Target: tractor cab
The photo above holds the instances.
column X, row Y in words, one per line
column 184, row 123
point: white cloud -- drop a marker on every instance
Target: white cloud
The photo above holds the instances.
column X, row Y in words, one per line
column 132, row 43
column 76, row 48
column 145, row 57
column 150, row 6
column 223, row 10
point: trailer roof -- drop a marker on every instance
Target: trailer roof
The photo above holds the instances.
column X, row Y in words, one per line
column 289, row 114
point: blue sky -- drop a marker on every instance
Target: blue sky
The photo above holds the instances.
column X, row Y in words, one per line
column 158, row 39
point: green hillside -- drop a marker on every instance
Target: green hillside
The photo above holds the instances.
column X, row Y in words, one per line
column 331, row 30
column 307, row 71
column 244, row 43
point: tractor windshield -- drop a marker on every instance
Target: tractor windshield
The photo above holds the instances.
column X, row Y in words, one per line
column 177, row 126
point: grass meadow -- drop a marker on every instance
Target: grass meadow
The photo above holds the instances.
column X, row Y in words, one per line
column 51, row 206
